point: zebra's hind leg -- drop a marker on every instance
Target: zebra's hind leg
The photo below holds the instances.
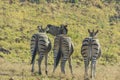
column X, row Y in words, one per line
column 46, row 71
column 70, row 65
column 86, row 63
column 56, row 60
column 32, row 70
column 93, row 68
column 33, row 61
column 39, row 62
column 55, row 66
column 63, row 65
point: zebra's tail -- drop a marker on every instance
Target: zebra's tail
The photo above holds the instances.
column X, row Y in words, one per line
column 58, row 58
column 33, row 57
column 34, row 42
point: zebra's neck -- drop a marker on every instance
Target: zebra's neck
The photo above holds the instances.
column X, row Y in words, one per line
column 90, row 39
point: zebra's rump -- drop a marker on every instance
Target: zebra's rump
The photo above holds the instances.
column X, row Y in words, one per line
column 64, row 44
column 90, row 48
column 43, row 43
column 40, row 42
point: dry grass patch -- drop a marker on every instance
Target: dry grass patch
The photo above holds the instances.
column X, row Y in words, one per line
column 22, row 71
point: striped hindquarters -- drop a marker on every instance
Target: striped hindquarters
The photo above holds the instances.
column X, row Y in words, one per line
column 43, row 43
column 90, row 48
column 63, row 47
column 66, row 47
column 39, row 43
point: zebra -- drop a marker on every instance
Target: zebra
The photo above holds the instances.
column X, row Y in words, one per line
column 63, row 47
column 90, row 51
column 41, row 44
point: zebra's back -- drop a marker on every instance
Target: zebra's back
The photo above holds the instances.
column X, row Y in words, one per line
column 90, row 48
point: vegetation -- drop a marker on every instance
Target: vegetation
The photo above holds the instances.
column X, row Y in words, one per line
column 18, row 21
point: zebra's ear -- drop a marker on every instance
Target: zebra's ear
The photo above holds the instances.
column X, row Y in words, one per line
column 89, row 30
column 96, row 32
column 46, row 29
column 39, row 27
column 66, row 25
column 49, row 25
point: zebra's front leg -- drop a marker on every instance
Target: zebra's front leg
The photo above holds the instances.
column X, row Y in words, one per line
column 70, row 65
column 46, row 71
column 39, row 62
column 93, row 68
column 86, row 63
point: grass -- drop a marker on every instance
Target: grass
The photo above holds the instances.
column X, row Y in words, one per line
column 21, row 71
column 19, row 21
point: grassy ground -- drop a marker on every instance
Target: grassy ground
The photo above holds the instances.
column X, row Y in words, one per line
column 21, row 71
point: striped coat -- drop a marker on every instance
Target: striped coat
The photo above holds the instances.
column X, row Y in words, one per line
column 91, row 51
column 63, row 49
column 41, row 44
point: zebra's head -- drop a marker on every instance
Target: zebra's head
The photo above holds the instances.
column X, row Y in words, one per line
column 63, row 29
column 40, row 29
column 55, row 30
column 92, row 33
column 52, row 29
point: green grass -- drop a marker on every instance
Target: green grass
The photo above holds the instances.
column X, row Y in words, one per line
column 20, row 20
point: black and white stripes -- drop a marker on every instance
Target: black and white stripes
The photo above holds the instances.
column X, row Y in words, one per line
column 90, row 51
column 41, row 44
column 63, row 48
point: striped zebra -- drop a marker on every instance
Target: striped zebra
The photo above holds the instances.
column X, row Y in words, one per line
column 90, row 51
column 41, row 44
column 63, row 48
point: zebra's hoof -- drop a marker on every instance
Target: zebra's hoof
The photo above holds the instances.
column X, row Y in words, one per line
column 40, row 73
column 92, row 78
column 46, row 72
column 32, row 70
column 86, row 79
